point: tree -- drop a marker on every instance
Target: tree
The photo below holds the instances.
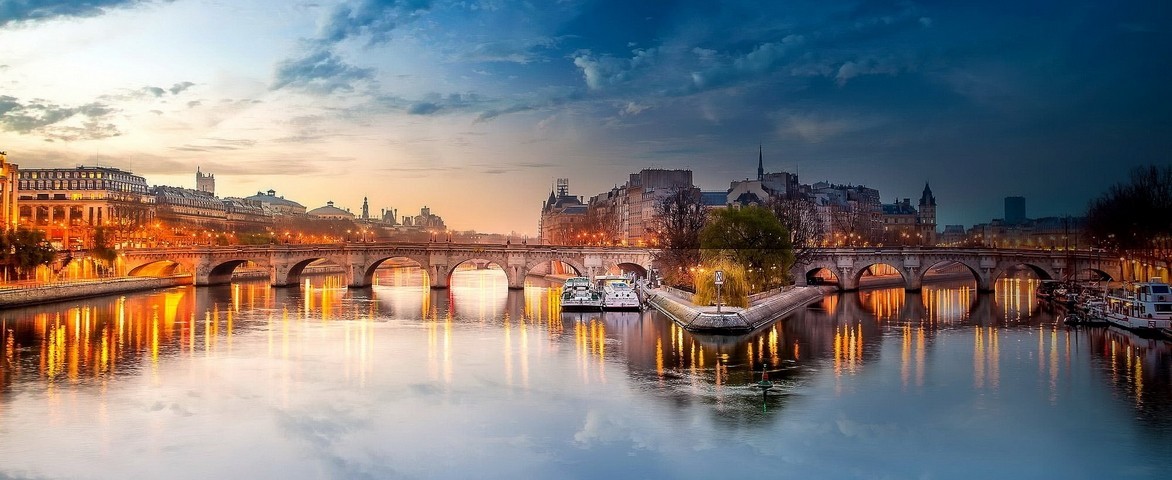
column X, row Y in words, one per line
column 679, row 217
column 754, row 238
column 1136, row 216
column 25, row 250
column 102, row 250
column 800, row 218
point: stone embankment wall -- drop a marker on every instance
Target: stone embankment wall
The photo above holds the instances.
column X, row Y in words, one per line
column 763, row 312
column 33, row 295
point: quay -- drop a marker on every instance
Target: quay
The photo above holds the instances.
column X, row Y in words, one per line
column 24, row 295
column 764, row 309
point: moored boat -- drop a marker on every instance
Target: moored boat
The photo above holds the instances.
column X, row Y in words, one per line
column 617, row 293
column 1146, row 306
column 579, row 294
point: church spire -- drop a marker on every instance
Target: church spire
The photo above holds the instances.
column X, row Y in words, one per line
column 760, row 163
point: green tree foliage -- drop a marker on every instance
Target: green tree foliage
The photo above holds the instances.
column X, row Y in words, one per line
column 1135, row 216
column 753, row 238
column 25, row 250
column 734, row 292
column 102, row 250
column 679, row 217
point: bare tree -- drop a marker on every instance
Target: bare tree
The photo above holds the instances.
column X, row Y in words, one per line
column 1135, row 216
column 800, row 217
column 679, row 217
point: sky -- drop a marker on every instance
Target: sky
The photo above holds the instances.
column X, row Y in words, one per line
column 475, row 107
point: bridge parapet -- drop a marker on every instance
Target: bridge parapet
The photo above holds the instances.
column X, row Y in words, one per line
column 214, row 264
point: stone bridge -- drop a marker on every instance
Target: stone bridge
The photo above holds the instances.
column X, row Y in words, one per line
column 212, row 265
column 986, row 265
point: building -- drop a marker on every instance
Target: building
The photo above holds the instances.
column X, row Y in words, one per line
column 561, row 215
column 69, row 203
column 330, row 212
column 205, row 183
column 904, row 224
column 1015, row 212
column 767, row 186
column 276, row 206
column 184, row 208
column 424, row 221
column 849, row 214
column 9, row 173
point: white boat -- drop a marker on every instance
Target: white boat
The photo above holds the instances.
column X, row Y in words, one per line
column 617, row 293
column 579, row 294
column 1144, row 306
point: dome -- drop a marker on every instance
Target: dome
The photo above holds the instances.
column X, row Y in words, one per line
column 330, row 211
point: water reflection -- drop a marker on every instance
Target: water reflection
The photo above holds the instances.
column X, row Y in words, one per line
column 863, row 373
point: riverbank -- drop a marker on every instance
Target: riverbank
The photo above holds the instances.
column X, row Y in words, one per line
column 58, row 292
column 731, row 320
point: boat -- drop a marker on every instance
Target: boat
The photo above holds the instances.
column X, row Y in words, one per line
column 617, row 293
column 1145, row 306
column 579, row 294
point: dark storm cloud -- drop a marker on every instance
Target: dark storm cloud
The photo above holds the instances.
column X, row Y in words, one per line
column 12, row 11
column 51, row 120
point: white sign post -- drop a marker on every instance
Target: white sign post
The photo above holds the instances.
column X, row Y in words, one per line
column 719, row 281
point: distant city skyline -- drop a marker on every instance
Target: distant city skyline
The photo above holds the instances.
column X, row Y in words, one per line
column 474, row 108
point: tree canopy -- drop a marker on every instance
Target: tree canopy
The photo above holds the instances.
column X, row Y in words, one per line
column 754, row 238
column 25, row 249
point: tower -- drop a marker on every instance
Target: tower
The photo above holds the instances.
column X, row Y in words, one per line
column 1015, row 210
column 205, row 182
column 760, row 163
column 926, row 216
column 365, row 209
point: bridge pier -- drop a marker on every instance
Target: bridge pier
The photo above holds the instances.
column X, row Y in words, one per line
column 438, row 275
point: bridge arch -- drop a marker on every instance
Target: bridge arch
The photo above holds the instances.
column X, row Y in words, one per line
column 535, row 264
column 1093, row 274
column 969, row 265
column 811, row 274
column 1004, row 267
column 869, row 267
column 622, row 268
column 367, row 278
column 158, row 268
column 511, row 274
column 291, row 275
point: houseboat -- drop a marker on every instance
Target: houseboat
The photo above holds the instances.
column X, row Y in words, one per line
column 617, row 293
column 1145, row 306
column 579, row 294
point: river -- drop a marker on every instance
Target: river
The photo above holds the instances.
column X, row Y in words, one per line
column 400, row 381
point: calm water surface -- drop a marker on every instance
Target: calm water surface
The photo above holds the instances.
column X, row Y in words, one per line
column 480, row 382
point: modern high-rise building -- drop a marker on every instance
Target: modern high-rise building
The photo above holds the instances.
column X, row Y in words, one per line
column 1015, row 212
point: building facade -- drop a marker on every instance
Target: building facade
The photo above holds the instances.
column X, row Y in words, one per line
column 9, row 173
column 68, row 204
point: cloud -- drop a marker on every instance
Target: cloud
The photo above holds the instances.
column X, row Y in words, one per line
column 603, row 71
column 155, row 91
column 35, row 10
column 179, row 87
column 423, row 108
column 764, row 58
column 632, row 109
column 319, row 71
column 373, row 18
column 85, row 122
column 872, row 66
